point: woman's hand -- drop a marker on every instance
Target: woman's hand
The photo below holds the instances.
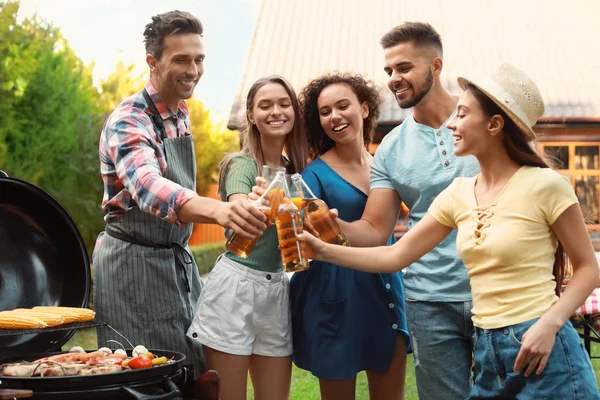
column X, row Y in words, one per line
column 258, row 189
column 315, row 248
column 536, row 345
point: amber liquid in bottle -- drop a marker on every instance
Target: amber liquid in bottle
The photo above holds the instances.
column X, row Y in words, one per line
column 242, row 246
column 289, row 224
column 267, row 204
column 317, row 215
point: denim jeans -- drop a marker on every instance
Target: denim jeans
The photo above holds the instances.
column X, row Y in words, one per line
column 568, row 373
column 442, row 340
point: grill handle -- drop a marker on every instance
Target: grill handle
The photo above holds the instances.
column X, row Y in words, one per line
column 3, row 174
column 168, row 386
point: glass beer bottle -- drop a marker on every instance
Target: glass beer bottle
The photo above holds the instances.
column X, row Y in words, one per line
column 269, row 173
column 316, row 213
column 289, row 224
column 267, row 203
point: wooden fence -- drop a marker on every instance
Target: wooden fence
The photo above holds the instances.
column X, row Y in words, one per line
column 208, row 233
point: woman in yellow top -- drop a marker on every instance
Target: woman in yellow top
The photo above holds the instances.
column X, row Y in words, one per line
column 513, row 219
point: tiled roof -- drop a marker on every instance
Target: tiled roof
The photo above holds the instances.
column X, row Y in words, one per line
column 556, row 42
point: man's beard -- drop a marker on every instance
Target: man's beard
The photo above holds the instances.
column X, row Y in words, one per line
column 411, row 102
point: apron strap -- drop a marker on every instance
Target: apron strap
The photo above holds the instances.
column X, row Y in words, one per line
column 178, row 249
column 155, row 115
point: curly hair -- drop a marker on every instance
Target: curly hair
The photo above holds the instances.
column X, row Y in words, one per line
column 365, row 90
column 167, row 24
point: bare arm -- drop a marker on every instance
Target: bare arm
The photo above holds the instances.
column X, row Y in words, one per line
column 423, row 237
column 538, row 341
column 238, row 214
column 571, row 231
column 377, row 222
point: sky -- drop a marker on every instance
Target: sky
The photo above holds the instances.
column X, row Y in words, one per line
column 107, row 31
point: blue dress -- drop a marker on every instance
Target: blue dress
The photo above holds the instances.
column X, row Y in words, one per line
column 344, row 321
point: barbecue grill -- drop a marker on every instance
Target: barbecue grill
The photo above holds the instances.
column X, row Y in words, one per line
column 43, row 261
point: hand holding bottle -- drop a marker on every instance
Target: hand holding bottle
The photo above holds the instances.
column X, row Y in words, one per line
column 267, row 204
column 317, row 216
column 314, row 248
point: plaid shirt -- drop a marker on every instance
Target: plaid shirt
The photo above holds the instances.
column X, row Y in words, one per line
column 133, row 163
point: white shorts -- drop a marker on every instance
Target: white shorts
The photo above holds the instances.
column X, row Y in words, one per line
column 243, row 311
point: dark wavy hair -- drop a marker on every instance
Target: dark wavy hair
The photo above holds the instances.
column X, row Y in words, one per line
column 520, row 151
column 167, row 24
column 365, row 90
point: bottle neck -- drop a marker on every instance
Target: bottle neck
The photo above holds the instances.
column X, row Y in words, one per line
column 303, row 188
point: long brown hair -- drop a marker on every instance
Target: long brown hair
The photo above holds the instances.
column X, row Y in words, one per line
column 521, row 152
column 295, row 146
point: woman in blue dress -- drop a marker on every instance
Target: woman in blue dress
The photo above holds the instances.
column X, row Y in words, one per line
column 345, row 321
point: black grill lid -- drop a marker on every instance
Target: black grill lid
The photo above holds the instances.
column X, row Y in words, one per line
column 43, row 261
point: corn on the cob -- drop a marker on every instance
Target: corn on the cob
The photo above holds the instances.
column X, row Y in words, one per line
column 12, row 320
column 69, row 314
column 49, row 318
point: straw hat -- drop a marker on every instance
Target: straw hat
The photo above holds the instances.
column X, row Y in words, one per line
column 515, row 93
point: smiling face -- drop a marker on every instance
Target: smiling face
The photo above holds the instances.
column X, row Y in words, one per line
column 272, row 111
column 341, row 114
column 473, row 129
column 177, row 72
column 410, row 72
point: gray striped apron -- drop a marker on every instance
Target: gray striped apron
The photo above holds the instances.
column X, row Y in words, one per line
column 146, row 281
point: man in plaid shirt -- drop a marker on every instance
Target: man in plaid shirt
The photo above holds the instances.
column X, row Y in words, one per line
column 133, row 165
column 145, row 275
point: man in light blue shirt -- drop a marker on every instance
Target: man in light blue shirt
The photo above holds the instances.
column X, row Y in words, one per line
column 413, row 164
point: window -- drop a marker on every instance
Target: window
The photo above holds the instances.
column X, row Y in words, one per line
column 586, row 189
column 580, row 162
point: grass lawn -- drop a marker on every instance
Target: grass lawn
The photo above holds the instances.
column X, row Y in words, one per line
column 304, row 385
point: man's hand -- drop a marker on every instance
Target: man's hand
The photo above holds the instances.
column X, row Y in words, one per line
column 242, row 217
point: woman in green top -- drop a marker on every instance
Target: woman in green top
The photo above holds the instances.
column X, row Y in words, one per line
column 243, row 318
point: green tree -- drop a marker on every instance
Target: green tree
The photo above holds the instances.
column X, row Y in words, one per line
column 51, row 116
column 121, row 84
column 49, row 123
column 11, row 60
column 211, row 142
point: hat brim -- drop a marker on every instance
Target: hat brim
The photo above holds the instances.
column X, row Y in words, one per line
column 523, row 127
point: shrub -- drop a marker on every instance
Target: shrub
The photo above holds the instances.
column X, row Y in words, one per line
column 206, row 255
